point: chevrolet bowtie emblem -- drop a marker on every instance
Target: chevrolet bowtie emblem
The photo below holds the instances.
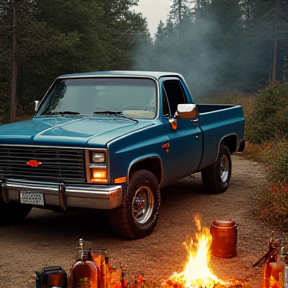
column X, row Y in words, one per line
column 33, row 163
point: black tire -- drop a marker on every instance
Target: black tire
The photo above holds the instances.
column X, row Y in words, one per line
column 138, row 214
column 13, row 212
column 216, row 177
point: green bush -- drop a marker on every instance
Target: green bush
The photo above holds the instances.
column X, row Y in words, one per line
column 270, row 115
column 277, row 159
column 273, row 197
column 273, row 205
column 267, row 130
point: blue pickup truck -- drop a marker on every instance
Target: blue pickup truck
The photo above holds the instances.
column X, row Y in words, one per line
column 112, row 140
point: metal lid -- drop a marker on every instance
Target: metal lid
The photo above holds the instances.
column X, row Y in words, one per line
column 223, row 223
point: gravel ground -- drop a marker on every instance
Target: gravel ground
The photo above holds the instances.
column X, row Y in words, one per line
column 47, row 238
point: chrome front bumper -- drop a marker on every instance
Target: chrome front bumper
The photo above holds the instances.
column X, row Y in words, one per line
column 65, row 195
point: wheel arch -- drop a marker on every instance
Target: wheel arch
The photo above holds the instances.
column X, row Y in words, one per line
column 231, row 141
column 152, row 164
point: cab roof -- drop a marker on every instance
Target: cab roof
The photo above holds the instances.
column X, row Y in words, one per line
column 125, row 73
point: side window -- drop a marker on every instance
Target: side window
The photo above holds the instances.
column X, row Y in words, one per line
column 174, row 95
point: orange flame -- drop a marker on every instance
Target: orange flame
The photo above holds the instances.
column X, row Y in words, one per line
column 197, row 273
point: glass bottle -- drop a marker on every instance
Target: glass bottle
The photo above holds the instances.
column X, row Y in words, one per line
column 273, row 266
column 84, row 273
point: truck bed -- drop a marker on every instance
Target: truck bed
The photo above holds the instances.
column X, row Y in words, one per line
column 216, row 122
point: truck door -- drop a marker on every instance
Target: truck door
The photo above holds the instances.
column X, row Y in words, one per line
column 184, row 151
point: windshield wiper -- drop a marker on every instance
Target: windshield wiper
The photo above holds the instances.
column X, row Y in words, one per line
column 62, row 113
column 107, row 112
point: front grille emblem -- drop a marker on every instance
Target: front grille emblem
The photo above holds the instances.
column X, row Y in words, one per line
column 33, row 163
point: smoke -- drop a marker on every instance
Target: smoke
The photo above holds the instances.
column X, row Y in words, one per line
column 189, row 51
column 214, row 52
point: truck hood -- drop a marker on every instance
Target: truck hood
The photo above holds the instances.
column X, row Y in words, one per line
column 69, row 131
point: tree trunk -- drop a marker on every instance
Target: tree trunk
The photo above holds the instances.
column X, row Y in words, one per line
column 274, row 62
column 179, row 12
column 274, row 67
column 14, row 65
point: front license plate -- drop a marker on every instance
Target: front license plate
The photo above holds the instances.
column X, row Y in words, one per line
column 34, row 198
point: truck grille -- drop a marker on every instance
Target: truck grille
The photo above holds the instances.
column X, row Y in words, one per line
column 57, row 163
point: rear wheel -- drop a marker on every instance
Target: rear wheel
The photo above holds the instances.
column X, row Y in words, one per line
column 216, row 177
column 13, row 212
column 138, row 214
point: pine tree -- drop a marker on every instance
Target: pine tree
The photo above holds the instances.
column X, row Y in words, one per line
column 64, row 36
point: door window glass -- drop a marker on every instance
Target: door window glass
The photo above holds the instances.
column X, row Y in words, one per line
column 172, row 96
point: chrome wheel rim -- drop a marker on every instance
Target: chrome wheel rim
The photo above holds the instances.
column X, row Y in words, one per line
column 224, row 168
column 142, row 204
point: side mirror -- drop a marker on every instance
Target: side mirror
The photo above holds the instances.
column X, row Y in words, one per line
column 36, row 105
column 187, row 111
column 184, row 111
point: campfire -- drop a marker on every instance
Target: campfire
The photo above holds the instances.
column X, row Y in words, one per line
column 197, row 273
column 93, row 269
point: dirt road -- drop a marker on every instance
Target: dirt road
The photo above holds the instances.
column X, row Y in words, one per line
column 47, row 238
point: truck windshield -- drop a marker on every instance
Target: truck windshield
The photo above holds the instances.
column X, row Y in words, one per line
column 132, row 97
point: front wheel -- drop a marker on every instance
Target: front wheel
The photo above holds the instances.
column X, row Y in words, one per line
column 13, row 212
column 138, row 214
column 216, row 177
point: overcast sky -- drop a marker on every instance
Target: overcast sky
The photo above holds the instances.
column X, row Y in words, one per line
column 153, row 11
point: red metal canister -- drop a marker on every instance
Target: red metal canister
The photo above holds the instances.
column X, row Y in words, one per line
column 224, row 233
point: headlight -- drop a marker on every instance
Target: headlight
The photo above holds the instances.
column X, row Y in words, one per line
column 98, row 157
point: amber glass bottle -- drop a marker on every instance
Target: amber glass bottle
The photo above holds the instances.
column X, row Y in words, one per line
column 84, row 275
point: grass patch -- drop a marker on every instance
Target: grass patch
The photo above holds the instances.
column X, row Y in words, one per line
column 273, row 205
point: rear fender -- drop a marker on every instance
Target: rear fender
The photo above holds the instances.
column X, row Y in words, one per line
column 231, row 141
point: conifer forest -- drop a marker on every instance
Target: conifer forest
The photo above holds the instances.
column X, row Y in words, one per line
column 218, row 45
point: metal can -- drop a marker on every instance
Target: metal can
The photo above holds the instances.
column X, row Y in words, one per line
column 224, row 234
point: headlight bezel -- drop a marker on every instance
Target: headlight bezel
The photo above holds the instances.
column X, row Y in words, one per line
column 97, row 165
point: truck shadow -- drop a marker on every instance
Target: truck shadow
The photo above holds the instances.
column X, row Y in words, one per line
column 189, row 188
column 80, row 224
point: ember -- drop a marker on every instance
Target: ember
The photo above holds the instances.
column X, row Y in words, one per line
column 197, row 272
